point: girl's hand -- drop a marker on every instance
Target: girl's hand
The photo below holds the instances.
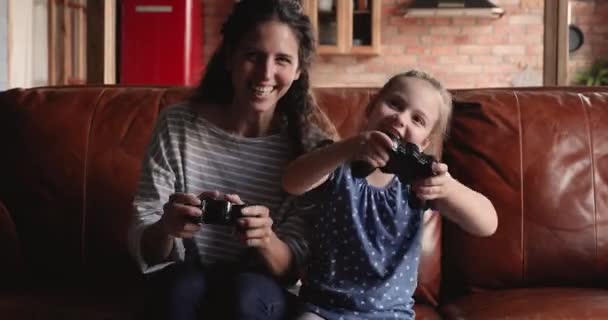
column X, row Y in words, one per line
column 373, row 147
column 255, row 227
column 435, row 187
column 180, row 214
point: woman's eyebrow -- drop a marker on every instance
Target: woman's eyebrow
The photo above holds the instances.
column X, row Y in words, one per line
column 285, row 55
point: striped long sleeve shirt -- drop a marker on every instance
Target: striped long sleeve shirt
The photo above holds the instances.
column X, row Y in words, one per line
column 189, row 154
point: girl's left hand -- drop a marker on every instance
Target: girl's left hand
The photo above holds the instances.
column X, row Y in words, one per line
column 255, row 227
column 435, row 187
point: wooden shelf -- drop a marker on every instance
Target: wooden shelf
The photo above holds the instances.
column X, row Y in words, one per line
column 345, row 14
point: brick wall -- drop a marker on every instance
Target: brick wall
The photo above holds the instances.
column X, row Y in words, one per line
column 215, row 13
column 461, row 52
column 590, row 17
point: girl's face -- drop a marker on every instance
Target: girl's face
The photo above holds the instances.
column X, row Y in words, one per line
column 263, row 66
column 408, row 109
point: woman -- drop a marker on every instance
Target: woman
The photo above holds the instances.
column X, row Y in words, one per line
column 250, row 115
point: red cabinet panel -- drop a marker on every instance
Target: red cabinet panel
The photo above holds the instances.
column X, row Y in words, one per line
column 161, row 42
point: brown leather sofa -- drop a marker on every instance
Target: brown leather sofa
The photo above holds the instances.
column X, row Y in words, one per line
column 71, row 157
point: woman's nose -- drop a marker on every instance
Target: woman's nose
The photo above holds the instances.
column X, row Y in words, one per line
column 266, row 68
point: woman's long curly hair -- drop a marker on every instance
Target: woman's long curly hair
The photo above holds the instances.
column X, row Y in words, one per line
column 297, row 107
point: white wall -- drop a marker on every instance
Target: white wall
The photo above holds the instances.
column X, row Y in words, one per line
column 3, row 44
column 28, row 46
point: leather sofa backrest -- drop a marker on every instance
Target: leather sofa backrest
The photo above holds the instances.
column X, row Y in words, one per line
column 70, row 173
column 73, row 165
column 541, row 156
column 10, row 251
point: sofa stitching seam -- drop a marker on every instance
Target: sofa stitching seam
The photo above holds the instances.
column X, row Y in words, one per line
column 521, row 185
column 584, row 104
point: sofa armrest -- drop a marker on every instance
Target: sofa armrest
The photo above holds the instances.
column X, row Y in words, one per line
column 10, row 253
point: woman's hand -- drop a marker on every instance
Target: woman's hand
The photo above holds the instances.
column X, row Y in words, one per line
column 255, row 227
column 436, row 187
column 181, row 212
column 373, row 147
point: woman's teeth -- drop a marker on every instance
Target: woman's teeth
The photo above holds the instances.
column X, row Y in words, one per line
column 262, row 90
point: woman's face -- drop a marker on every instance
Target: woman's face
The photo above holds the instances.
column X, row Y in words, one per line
column 264, row 66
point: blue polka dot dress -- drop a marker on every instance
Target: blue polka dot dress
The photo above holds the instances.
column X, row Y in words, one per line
column 364, row 251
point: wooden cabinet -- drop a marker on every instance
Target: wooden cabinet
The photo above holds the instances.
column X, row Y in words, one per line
column 350, row 27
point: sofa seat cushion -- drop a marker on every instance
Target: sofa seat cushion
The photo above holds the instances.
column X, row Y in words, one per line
column 69, row 305
column 538, row 303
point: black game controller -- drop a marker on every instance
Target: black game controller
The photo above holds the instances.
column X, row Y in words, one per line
column 219, row 212
column 405, row 161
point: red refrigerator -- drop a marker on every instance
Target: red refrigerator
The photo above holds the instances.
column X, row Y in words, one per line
column 160, row 42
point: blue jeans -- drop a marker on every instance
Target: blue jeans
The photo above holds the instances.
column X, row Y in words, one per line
column 190, row 291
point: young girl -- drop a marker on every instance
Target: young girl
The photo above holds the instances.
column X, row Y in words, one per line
column 366, row 243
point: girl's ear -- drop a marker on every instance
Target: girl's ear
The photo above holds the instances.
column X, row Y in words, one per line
column 370, row 105
column 363, row 124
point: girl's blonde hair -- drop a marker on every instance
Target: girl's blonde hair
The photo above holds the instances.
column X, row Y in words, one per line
column 439, row 132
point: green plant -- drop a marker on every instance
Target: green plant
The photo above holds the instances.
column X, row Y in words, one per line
column 596, row 75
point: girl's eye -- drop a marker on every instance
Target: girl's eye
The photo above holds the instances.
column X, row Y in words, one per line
column 420, row 120
column 394, row 104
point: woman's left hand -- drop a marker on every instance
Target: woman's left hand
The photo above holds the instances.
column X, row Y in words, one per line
column 435, row 187
column 255, row 227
